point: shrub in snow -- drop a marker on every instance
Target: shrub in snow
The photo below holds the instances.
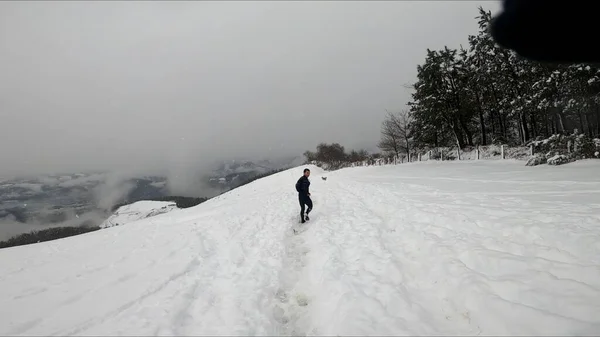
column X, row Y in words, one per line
column 516, row 152
column 450, row 155
column 559, row 159
column 555, row 143
column 584, row 148
column 536, row 160
column 435, row 154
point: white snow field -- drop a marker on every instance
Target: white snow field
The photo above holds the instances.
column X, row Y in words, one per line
column 138, row 210
column 453, row 248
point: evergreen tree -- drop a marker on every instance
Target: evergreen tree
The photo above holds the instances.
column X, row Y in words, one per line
column 486, row 94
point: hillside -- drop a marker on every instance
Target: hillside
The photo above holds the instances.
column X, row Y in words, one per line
column 75, row 199
column 48, row 201
column 454, row 248
column 138, row 210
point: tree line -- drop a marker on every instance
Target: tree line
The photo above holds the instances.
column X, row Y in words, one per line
column 334, row 156
column 48, row 234
column 484, row 94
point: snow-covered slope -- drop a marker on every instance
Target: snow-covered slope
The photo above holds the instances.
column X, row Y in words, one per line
column 138, row 210
column 454, row 248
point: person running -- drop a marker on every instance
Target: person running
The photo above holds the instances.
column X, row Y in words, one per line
column 302, row 186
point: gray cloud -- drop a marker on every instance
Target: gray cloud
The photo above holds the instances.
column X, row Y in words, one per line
column 174, row 85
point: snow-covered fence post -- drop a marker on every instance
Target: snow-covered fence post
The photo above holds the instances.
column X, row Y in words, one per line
column 477, row 152
column 458, row 153
column 419, row 156
column 531, row 149
column 429, row 155
column 441, row 154
column 502, row 151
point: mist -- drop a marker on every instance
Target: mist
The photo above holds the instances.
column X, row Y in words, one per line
column 173, row 86
column 10, row 227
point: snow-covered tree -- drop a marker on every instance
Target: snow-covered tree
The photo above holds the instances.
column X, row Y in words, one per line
column 487, row 94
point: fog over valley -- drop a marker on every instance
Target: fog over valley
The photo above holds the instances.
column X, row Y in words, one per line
column 107, row 102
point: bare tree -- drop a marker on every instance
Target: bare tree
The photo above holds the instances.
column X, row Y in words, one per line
column 310, row 156
column 358, row 156
column 334, row 155
column 395, row 133
column 390, row 139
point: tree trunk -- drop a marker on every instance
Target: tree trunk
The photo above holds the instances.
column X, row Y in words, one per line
column 548, row 121
column 579, row 114
column 598, row 120
column 590, row 131
column 493, row 122
column 481, row 121
column 561, row 121
column 524, row 127
column 501, row 130
column 533, row 125
column 504, row 128
column 466, row 131
column 458, row 134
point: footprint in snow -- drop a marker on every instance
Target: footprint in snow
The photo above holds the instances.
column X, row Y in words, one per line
column 302, row 300
column 279, row 315
column 282, row 295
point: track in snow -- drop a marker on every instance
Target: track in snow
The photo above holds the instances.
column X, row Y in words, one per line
column 415, row 249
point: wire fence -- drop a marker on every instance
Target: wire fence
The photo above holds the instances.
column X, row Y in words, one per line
column 543, row 148
column 491, row 152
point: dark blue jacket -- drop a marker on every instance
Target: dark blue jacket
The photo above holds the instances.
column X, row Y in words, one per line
column 302, row 185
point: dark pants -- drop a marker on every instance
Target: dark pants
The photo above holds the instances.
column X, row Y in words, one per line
column 304, row 200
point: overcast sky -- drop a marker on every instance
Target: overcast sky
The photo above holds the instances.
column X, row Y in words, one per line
column 101, row 85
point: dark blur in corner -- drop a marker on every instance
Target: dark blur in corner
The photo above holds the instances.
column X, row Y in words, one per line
column 549, row 30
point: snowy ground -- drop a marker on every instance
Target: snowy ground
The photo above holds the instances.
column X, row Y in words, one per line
column 454, row 248
column 137, row 211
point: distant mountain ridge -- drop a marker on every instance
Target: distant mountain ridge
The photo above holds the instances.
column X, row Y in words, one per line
column 88, row 198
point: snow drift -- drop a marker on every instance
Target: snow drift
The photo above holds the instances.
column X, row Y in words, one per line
column 138, row 210
column 454, row 248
